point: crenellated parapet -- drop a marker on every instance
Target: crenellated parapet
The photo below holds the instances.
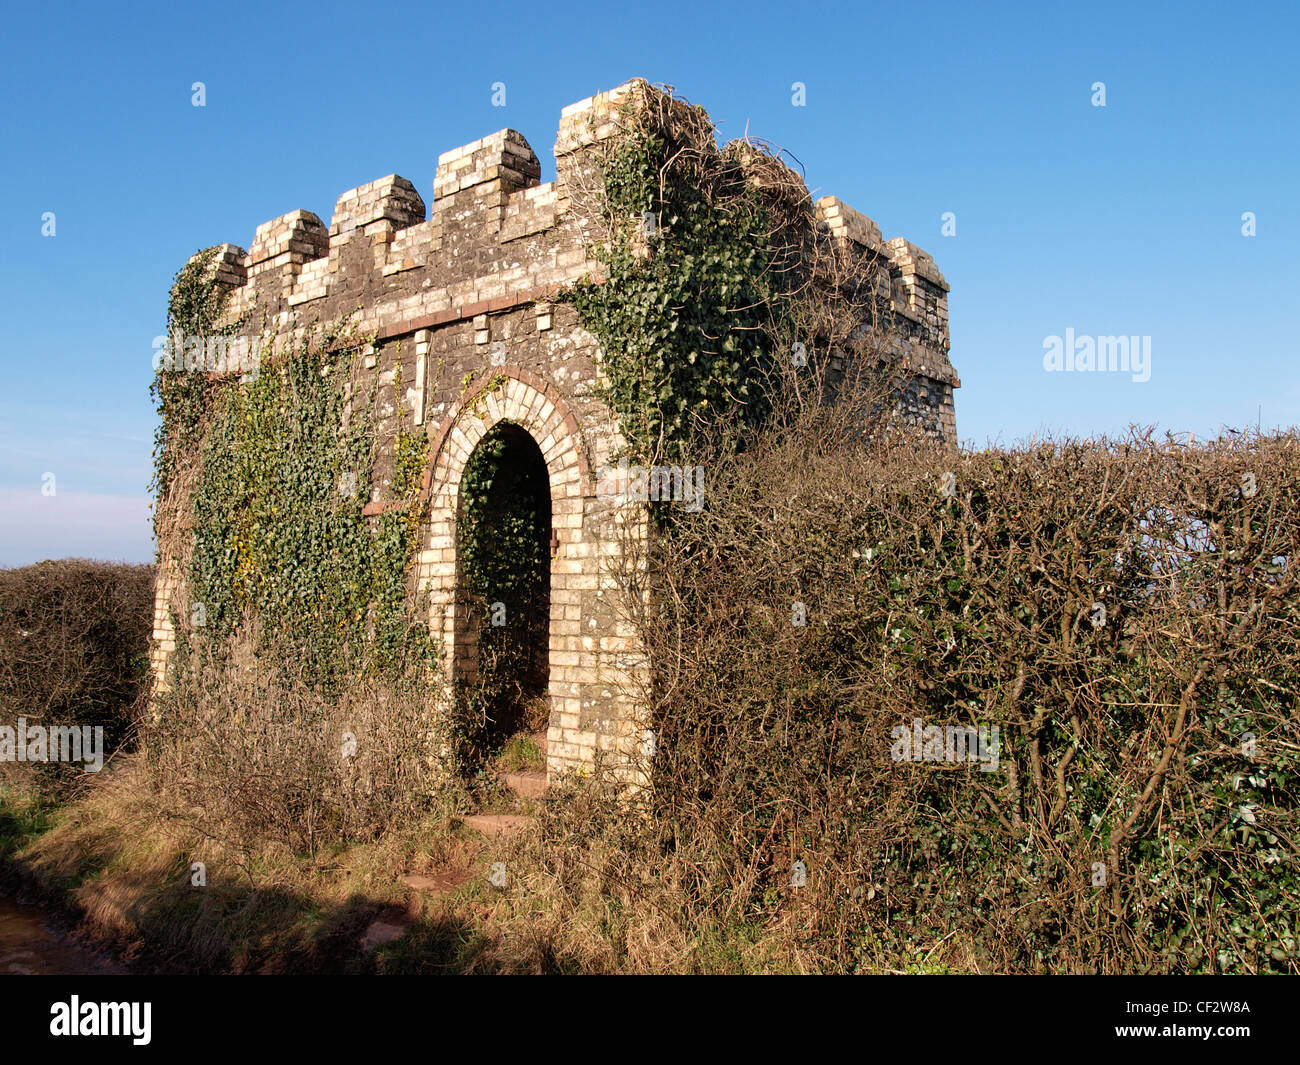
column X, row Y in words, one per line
column 490, row 168
column 494, row 236
column 491, row 235
column 282, row 245
column 917, row 294
column 375, row 210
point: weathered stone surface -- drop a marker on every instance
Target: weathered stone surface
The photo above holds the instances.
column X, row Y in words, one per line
column 381, row 933
column 527, row 784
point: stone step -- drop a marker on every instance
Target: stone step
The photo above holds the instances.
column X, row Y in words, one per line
column 380, row 933
column 424, row 887
column 526, row 783
column 440, row 882
column 496, row 824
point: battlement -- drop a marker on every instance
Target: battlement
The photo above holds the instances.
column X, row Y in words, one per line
column 493, row 237
column 382, row 206
column 843, row 222
column 907, row 260
column 501, row 163
column 284, row 244
column 596, row 118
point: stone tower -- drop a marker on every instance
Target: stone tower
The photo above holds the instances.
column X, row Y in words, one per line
column 460, row 297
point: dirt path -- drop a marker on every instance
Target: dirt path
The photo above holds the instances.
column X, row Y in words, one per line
column 31, row 945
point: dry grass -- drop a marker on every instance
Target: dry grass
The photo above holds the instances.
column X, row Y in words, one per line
column 573, row 901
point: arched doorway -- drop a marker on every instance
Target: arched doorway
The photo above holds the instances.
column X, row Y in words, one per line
column 503, row 535
column 578, row 682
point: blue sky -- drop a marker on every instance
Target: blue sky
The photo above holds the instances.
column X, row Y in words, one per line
column 1124, row 219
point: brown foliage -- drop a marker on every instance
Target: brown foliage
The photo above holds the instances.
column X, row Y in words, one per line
column 246, row 750
column 74, row 642
column 1123, row 611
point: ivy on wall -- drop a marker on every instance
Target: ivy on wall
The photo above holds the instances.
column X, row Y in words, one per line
column 278, row 531
column 694, row 284
column 182, row 399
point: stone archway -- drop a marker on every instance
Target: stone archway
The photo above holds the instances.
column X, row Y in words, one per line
column 513, row 395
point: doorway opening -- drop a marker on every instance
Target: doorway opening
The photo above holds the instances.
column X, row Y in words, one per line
column 504, row 589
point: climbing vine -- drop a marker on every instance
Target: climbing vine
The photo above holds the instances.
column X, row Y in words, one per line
column 183, row 398
column 268, row 523
column 701, row 270
column 279, row 530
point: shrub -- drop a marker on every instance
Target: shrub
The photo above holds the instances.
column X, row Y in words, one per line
column 74, row 649
column 1123, row 611
column 258, row 753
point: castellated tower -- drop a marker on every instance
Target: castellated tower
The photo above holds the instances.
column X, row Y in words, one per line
column 459, row 295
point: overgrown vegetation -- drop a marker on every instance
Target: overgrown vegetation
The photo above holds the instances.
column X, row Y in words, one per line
column 1119, row 610
column 1125, row 614
column 74, row 651
column 293, row 601
column 714, row 271
column 278, row 527
column 194, row 311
